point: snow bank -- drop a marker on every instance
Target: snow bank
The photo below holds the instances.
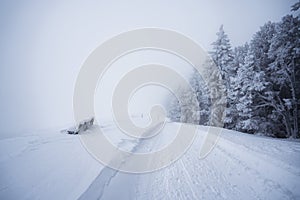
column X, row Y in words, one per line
column 241, row 166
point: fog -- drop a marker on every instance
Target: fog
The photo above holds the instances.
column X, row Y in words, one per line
column 43, row 46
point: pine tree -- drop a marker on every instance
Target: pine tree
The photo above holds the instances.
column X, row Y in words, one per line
column 296, row 6
column 260, row 45
column 201, row 91
column 222, row 55
column 245, row 74
column 173, row 109
column 232, row 117
column 185, row 107
column 217, row 93
column 189, row 106
column 261, row 83
column 285, row 53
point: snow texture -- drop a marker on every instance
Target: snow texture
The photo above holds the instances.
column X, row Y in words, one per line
column 241, row 166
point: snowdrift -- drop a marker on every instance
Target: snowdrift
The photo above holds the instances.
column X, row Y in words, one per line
column 52, row 165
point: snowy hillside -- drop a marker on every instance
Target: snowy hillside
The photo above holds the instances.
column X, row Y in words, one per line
column 241, row 166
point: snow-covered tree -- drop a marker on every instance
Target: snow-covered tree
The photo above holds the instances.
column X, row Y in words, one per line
column 285, row 68
column 295, row 7
column 260, row 45
column 276, row 62
column 222, row 55
column 217, row 93
column 233, row 94
column 261, row 82
column 185, row 107
column 250, row 83
column 173, row 109
column 201, row 91
column 190, row 112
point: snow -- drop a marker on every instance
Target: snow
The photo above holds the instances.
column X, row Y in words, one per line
column 241, row 166
column 45, row 166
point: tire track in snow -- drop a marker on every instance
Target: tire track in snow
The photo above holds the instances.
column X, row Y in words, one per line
column 99, row 186
column 233, row 170
column 260, row 178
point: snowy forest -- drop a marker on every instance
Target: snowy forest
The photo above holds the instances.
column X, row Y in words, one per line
column 261, row 80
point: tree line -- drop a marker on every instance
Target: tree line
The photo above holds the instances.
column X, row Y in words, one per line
column 261, row 80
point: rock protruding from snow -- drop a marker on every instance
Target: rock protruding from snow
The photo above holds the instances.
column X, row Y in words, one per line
column 82, row 126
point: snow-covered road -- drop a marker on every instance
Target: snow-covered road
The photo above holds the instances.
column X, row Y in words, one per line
column 241, row 166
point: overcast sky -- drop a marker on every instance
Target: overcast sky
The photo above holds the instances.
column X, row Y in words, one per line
column 44, row 43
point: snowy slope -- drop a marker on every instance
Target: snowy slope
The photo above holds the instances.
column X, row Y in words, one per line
column 45, row 166
column 241, row 166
